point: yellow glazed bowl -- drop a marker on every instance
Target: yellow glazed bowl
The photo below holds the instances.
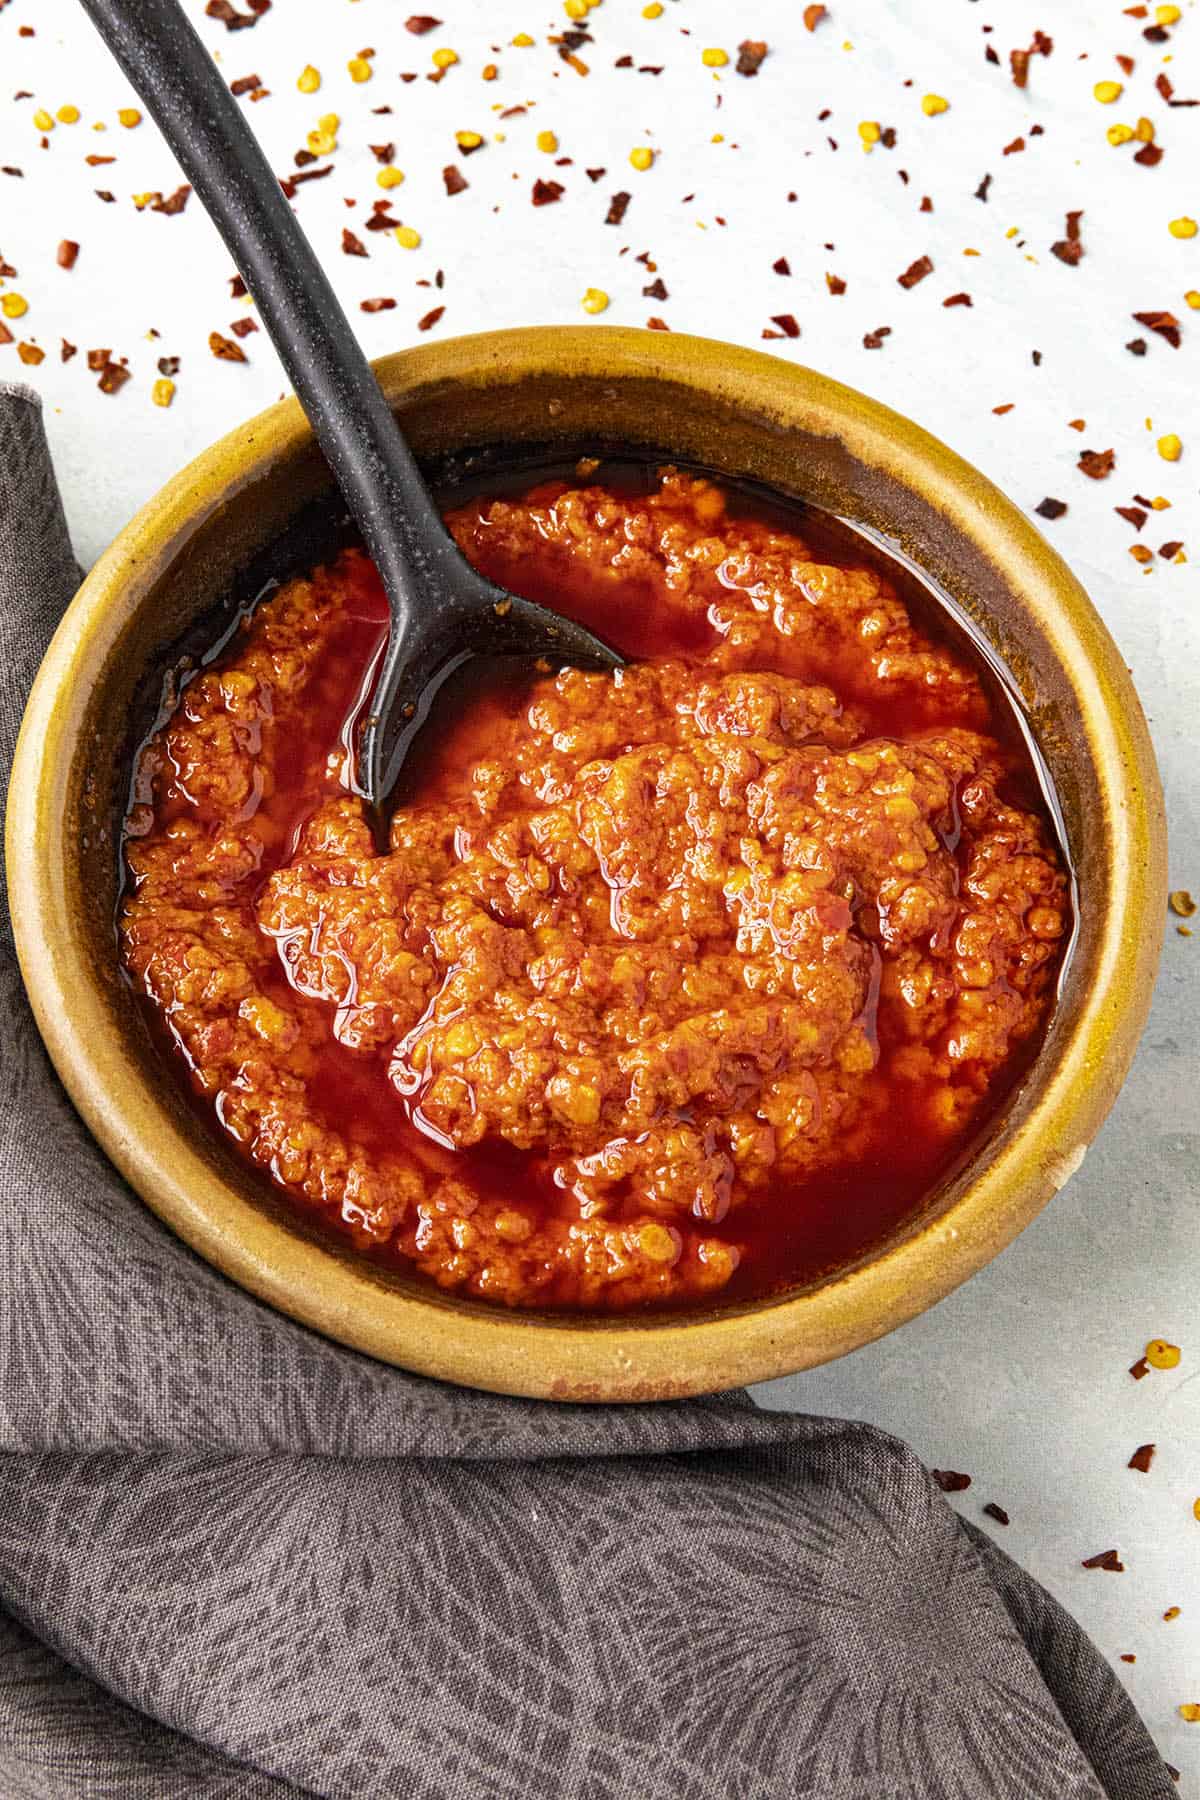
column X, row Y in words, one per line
column 492, row 401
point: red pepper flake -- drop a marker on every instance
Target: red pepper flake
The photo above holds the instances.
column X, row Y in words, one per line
column 67, row 254
column 752, row 54
column 224, row 349
column 1104, row 1559
column 244, row 85
column 1006, row 408
column 289, row 183
column 420, row 23
column 454, row 179
column 431, row 318
column 6, row 336
column 782, row 266
column 68, row 349
column 231, row 19
column 657, row 290
column 545, row 193
column 657, row 324
column 786, row 324
column 989, row 54
column 1126, row 64
column 351, row 245
column 240, row 328
column 1137, row 346
column 1164, row 323
column 98, row 359
column 174, row 203
column 1049, row 508
column 874, row 339
column 383, row 304
column 835, row 284
column 1141, row 1368
column 981, row 192
column 1069, row 249
column 595, row 174
column 1155, row 34
column 950, row 1481
column 96, row 162
column 384, row 153
column 916, row 271
column 1171, row 549
column 31, row 354
column 168, row 365
column 1149, row 156
column 618, row 206
column 1126, row 1657
column 813, row 16
column 1135, row 516
column 113, row 377
column 996, row 1512
column 1098, row 464
column 1017, row 145
column 382, row 218
column 958, row 300
column 1019, row 60
column 106, row 195
column 1141, row 1459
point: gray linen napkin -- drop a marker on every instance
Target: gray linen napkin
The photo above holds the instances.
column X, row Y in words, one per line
column 236, row 1559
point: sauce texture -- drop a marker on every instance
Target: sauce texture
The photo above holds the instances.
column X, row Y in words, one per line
column 677, row 984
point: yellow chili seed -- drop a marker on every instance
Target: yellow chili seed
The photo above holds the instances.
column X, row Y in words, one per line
column 641, row 158
column 718, row 137
column 1192, row 298
column 1160, row 504
column 68, row 115
column 321, row 143
column 13, row 306
column 575, row 9
column 490, row 71
column 595, row 300
column 390, row 177
column 43, row 120
column 1161, row 1355
column 309, row 79
column 407, row 237
column 1170, row 447
column 1108, row 91
column 163, row 392
column 869, row 131
column 444, row 59
column 547, row 141
column 468, row 140
column 359, row 69
column 714, row 59
column 1196, row 1509
column 1119, row 134
column 1183, row 228
column 523, row 41
column 1191, row 1712
column 129, row 116
column 653, row 11
column 933, row 103
column 1143, row 131
column 329, row 122
column 1167, row 15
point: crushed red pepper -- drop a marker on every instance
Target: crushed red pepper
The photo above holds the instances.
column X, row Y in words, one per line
column 680, row 941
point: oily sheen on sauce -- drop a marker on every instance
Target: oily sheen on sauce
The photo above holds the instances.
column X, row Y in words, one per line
column 677, row 987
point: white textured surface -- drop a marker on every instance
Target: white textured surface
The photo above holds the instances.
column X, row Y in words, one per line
column 1020, row 1378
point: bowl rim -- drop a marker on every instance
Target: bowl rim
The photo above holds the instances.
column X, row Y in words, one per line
column 587, row 1358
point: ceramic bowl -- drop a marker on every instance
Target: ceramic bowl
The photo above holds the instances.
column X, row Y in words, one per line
column 257, row 503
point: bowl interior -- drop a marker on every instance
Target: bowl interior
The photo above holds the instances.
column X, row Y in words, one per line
column 260, row 509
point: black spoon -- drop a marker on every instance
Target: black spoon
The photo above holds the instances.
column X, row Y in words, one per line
column 442, row 611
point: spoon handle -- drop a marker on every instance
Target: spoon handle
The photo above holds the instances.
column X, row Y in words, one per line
column 172, row 71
